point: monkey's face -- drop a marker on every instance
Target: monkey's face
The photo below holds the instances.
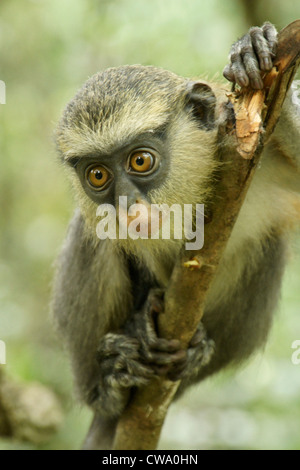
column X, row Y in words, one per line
column 138, row 133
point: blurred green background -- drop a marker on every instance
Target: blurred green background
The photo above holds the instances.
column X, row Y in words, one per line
column 47, row 50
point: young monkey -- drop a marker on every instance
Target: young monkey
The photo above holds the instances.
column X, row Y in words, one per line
column 152, row 136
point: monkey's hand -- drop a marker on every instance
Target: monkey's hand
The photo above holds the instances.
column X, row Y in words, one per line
column 166, row 356
column 130, row 359
column 121, row 369
column 161, row 354
column 251, row 55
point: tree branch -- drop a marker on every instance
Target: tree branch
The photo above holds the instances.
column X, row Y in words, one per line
column 256, row 114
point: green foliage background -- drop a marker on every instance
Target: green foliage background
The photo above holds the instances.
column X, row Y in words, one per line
column 47, row 50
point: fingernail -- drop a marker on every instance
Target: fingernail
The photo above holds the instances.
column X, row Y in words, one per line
column 257, row 83
column 180, row 354
column 267, row 63
column 243, row 81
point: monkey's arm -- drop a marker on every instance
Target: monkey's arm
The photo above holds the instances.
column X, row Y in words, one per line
column 85, row 300
column 91, row 300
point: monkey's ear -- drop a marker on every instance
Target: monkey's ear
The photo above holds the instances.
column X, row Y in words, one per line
column 202, row 100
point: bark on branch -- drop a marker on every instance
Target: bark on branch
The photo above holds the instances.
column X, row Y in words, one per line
column 256, row 113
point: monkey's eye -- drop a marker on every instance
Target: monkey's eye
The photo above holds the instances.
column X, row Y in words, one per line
column 141, row 161
column 97, row 176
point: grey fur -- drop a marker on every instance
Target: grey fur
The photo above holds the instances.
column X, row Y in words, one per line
column 107, row 293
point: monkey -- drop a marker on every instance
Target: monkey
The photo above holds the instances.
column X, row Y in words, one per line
column 153, row 136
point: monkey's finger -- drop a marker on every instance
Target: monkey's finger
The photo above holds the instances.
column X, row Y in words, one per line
column 198, row 337
column 114, row 344
column 132, row 367
column 238, row 69
column 172, row 371
column 228, row 73
column 262, row 49
column 156, row 300
column 124, row 380
column 176, row 373
column 252, row 70
column 164, row 345
column 160, row 358
column 155, row 305
column 137, row 369
column 270, row 33
column 244, row 62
